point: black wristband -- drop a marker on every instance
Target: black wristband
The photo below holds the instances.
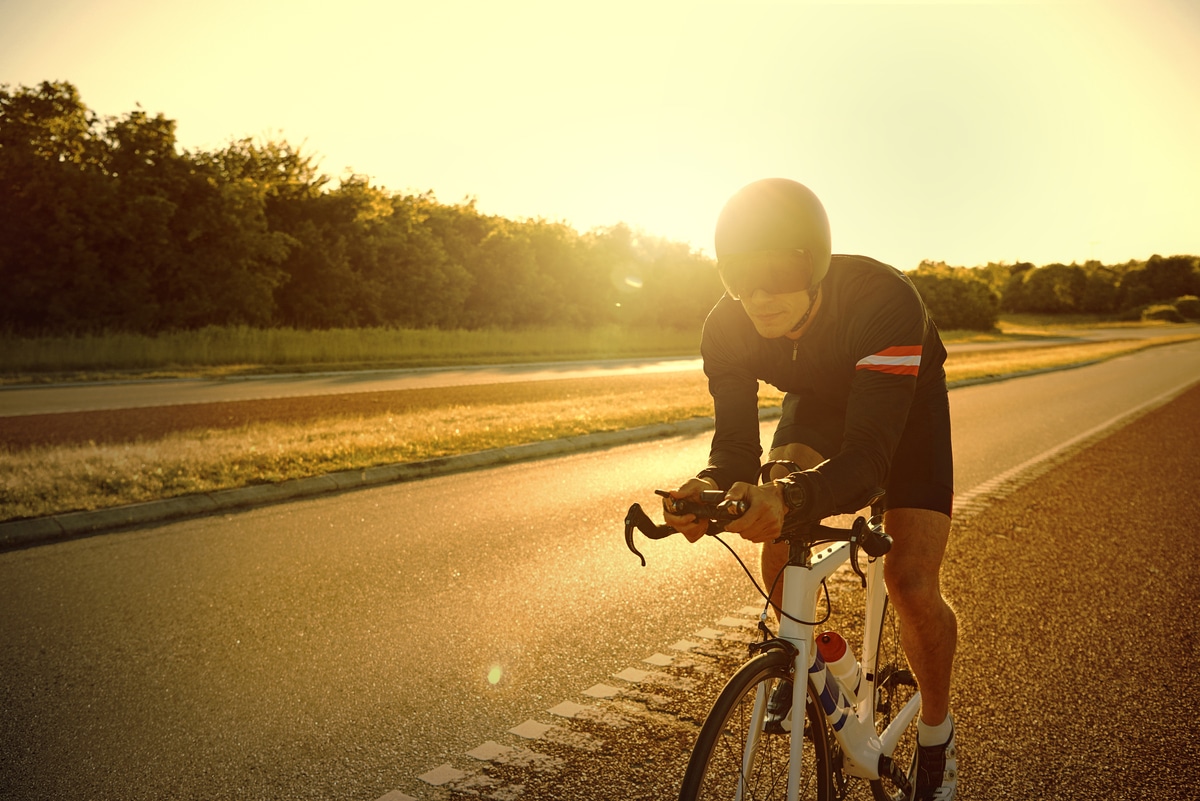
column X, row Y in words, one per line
column 794, row 490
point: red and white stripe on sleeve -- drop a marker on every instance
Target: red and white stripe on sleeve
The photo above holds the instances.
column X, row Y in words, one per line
column 897, row 360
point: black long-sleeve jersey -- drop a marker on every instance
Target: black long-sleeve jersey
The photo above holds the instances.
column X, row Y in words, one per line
column 871, row 353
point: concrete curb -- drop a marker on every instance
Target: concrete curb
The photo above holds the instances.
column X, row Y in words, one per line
column 72, row 525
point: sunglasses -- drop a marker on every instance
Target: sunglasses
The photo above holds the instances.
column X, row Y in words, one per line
column 776, row 272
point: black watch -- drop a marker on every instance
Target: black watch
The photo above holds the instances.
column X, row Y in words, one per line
column 794, row 492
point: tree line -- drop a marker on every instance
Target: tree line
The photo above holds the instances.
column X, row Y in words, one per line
column 106, row 224
column 1163, row 288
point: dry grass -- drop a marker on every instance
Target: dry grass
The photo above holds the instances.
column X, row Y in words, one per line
column 45, row 481
column 983, row 364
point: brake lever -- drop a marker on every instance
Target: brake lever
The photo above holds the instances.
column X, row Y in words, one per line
column 636, row 518
column 712, row 507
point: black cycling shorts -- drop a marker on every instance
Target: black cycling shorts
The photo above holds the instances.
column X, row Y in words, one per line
column 922, row 471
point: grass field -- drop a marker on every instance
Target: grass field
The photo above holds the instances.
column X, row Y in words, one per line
column 240, row 350
column 49, row 480
column 216, row 352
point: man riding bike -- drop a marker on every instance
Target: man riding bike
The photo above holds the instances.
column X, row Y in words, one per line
column 852, row 346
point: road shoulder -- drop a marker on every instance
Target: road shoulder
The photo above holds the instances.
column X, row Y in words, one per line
column 1076, row 599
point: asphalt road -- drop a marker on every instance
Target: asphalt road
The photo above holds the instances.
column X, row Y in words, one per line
column 341, row 647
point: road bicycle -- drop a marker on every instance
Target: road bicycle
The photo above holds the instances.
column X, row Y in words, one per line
column 849, row 732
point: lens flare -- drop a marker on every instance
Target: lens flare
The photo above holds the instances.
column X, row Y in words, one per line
column 494, row 675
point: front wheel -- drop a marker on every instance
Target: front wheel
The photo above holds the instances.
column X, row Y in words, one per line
column 735, row 759
column 894, row 687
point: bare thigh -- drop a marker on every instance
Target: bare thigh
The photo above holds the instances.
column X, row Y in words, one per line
column 913, row 566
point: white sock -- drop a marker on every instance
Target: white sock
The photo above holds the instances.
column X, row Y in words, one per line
column 935, row 735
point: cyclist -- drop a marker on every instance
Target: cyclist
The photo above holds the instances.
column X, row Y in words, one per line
column 850, row 343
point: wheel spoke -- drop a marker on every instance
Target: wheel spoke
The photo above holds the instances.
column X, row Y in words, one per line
column 735, row 758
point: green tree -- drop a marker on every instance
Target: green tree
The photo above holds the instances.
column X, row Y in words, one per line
column 1054, row 289
column 957, row 297
column 1013, row 296
column 1100, row 289
column 52, row 183
column 105, row 225
column 664, row 284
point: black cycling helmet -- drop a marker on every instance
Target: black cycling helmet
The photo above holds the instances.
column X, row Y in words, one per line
column 778, row 221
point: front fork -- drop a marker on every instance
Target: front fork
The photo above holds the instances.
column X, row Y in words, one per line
column 799, row 711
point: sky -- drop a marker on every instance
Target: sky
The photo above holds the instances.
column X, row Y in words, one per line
column 963, row 132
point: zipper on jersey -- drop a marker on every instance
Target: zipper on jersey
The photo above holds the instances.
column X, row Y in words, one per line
column 795, row 348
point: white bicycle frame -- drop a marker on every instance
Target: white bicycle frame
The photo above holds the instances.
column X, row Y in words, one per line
column 852, row 718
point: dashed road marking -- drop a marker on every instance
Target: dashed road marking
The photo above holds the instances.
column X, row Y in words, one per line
column 531, row 730
column 568, row 709
column 442, row 774
column 489, row 751
column 633, row 675
column 622, row 706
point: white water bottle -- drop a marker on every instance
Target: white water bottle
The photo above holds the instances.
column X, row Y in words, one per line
column 833, row 649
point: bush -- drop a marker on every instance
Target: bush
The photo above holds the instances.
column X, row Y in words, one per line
column 1162, row 311
column 957, row 298
column 1188, row 306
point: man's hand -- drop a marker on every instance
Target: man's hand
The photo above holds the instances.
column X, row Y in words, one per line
column 763, row 519
column 688, row 525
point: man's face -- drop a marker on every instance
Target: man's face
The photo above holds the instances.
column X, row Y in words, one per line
column 772, row 286
column 775, row 315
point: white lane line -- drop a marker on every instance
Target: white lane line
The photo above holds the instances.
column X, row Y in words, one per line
column 633, row 675
column 497, row 753
column 489, row 751
column 442, row 774
column 531, row 730
column 568, row 709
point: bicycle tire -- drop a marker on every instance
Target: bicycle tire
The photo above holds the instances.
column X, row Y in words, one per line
column 894, row 687
column 715, row 766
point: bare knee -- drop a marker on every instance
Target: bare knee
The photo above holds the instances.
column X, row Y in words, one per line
column 912, row 569
column 911, row 587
